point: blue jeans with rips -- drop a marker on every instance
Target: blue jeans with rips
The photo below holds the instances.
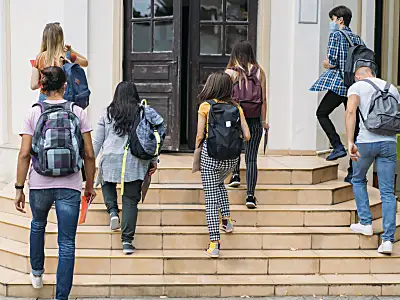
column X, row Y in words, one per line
column 67, row 202
column 385, row 155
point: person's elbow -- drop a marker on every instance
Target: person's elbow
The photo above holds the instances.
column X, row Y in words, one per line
column 89, row 155
column 34, row 86
column 24, row 155
column 84, row 63
column 246, row 136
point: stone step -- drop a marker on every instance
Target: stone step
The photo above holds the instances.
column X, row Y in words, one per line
column 17, row 228
column 271, row 170
column 17, row 284
column 342, row 214
column 15, row 255
column 328, row 193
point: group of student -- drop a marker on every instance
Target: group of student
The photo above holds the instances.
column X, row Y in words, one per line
column 57, row 149
column 231, row 115
column 372, row 121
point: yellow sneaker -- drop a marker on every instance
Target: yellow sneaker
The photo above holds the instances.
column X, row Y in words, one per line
column 213, row 250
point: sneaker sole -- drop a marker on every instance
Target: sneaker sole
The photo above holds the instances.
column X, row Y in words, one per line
column 363, row 233
column 114, row 224
column 234, row 184
column 211, row 255
column 336, row 158
column 385, row 252
column 227, row 231
column 251, row 205
column 128, row 252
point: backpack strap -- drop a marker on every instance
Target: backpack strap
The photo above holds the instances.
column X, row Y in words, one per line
column 41, row 105
column 387, row 87
column 373, row 84
column 211, row 101
column 347, row 36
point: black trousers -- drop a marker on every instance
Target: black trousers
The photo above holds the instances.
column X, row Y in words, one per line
column 130, row 201
column 329, row 103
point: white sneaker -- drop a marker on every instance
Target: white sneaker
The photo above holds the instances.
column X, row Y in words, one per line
column 37, row 281
column 386, row 247
column 362, row 229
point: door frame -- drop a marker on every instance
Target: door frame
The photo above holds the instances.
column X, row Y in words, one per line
column 196, row 59
column 175, row 55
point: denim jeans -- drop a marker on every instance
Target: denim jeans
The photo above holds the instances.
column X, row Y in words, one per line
column 67, row 204
column 384, row 153
column 130, row 201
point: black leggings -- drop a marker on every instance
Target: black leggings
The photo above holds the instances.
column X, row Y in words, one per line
column 251, row 154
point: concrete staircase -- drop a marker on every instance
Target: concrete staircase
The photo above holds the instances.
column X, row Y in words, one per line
column 296, row 243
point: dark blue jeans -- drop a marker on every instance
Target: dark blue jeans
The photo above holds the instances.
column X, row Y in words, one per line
column 385, row 156
column 67, row 204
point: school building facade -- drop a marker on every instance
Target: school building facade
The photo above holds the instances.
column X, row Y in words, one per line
column 170, row 47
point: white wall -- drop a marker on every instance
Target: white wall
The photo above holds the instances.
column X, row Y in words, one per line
column 3, row 74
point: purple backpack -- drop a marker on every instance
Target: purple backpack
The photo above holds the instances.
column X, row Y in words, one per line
column 248, row 93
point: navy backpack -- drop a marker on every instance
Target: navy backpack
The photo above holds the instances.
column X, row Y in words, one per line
column 77, row 90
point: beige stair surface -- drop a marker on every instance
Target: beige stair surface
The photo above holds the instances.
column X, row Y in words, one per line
column 297, row 242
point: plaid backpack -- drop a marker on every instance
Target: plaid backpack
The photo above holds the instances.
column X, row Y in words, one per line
column 57, row 144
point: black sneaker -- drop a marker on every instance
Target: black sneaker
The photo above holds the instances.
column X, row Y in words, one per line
column 348, row 178
column 251, row 202
column 337, row 153
column 235, row 181
column 128, row 248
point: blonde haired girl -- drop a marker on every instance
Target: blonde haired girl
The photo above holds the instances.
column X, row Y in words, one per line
column 53, row 52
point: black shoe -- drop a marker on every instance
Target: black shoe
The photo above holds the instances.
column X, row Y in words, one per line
column 235, row 181
column 251, row 202
column 337, row 153
column 128, row 248
column 348, row 178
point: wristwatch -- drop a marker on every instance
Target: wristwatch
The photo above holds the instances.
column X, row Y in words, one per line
column 19, row 187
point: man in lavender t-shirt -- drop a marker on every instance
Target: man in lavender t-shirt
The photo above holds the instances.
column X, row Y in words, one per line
column 44, row 191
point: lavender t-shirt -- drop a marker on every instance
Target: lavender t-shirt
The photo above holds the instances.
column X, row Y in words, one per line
column 38, row 182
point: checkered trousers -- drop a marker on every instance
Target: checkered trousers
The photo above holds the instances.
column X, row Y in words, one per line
column 213, row 174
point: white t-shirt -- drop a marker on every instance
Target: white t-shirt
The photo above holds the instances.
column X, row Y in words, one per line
column 365, row 90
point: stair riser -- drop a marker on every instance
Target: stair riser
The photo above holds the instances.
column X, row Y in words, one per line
column 205, row 266
column 237, row 241
column 178, row 290
column 243, row 218
column 238, row 196
column 185, row 176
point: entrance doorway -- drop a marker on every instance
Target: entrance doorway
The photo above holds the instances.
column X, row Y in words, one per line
column 171, row 46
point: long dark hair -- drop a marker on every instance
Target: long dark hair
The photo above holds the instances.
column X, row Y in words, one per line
column 124, row 107
column 53, row 79
column 218, row 86
column 241, row 57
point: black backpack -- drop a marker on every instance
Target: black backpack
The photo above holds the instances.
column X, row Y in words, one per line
column 357, row 56
column 224, row 131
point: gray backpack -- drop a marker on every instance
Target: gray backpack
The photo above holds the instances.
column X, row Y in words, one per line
column 383, row 115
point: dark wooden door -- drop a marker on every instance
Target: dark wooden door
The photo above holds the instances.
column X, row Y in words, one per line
column 152, row 58
column 216, row 26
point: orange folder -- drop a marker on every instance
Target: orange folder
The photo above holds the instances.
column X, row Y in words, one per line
column 85, row 203
column 33, row 62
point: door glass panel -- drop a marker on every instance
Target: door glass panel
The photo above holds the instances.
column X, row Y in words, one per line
column 141, row 37
column 163, row 35
column 211, row 10
column 236, row 10
column 234, row 33
column 211, row 39
column 163, row 8
column 141, row 8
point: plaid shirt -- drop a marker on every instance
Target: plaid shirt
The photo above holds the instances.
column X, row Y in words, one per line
column 332, row 79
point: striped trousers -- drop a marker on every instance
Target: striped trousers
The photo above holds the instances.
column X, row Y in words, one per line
column 251, row 152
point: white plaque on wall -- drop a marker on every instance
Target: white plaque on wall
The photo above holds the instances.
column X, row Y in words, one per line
column 308, row 11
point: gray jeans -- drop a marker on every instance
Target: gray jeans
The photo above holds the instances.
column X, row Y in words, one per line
column 130, row 201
